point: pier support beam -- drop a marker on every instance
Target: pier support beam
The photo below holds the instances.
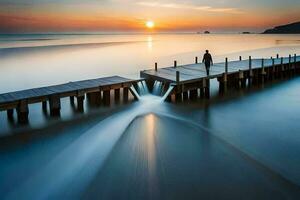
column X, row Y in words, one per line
column 221, row 88
column 290, row 66
column 150, row 84
column 223, row 80
column 94, row 98
column 44, row 106
column 10, row 114
column 273, row 71
column 202, row 92
column 295, row 63
column 281, row 69
column 262, row 73
column 125, row 94
column 207, row 92
column 117, row 95
column 106, row 97
column 23, row 112
column 55, row 106
column 185, row 95
column 193, row 94
column 72, row 100
column 178, row 97
column 80, row 103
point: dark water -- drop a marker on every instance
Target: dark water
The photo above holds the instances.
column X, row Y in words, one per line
column 242, row 146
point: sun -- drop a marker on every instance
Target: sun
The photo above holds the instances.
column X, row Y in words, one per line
column 150, row 24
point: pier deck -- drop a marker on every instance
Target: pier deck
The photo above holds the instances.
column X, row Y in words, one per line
column 96, row 89
column 193, row 72
column 191, row 80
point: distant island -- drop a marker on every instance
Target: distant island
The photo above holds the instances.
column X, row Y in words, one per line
column 205, row 32
column 293, row 28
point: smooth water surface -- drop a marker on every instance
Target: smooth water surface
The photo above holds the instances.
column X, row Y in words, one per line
column 28, row 61
column 245, row 145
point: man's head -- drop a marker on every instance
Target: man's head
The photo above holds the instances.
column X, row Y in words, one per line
column 206, row 51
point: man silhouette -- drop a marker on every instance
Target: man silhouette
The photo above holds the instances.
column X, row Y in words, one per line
column 207, row 60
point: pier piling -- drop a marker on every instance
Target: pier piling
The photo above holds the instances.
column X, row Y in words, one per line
column 54, row 103
column 23, row 111
column 125, row 94
column 117, row 95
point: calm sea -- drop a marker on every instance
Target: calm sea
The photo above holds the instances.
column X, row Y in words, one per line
column 245, row 145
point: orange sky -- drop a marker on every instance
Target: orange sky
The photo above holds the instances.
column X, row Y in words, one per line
column 131, row 16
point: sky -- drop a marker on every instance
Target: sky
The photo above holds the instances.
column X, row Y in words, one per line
column 34, row 16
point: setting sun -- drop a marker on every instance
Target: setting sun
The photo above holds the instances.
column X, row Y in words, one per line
column 150, row 24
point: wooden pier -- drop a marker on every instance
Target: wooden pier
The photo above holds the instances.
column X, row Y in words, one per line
column 188, row 82
column 191, row 81
column 98, row 91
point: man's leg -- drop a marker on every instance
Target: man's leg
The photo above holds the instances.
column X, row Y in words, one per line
column 207, row 71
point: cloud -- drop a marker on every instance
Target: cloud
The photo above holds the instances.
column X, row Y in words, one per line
column 190, row 6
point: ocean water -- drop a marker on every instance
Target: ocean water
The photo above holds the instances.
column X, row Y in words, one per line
column 28, row 61
column 245, row 145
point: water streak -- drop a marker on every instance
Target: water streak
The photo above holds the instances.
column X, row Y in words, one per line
column 157, row 88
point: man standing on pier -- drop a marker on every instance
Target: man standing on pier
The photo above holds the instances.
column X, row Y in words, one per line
column 207, row 60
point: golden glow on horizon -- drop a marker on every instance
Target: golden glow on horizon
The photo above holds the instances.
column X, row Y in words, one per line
column 150, row 24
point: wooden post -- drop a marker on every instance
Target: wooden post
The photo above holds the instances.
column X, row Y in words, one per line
column 44, row 106
column 155, row 66
column 125, row 94
column 262, row 71
column 94, row 98
column 106, row 97
column 55, row 106
column 202, row 92
column 196, row 60
column 175, row 63
column 282, row 67
column 226, row 71
column 226, row 66
column 177, row 77
column 193, row 94
column 80, row 103
column 117, row 95
column 23, row 111
column 250, row 72
column 178, row 97
column 150, row 84
column 273, row 68
column 10, row 114
column 240, row 58
column 222, row 80
column 289, row 64
column 185, row 95
column 295, row 62
column 72, row 100
column 241, row 82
